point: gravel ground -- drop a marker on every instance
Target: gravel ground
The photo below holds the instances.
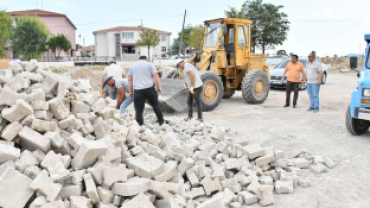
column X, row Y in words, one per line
column 324, row 133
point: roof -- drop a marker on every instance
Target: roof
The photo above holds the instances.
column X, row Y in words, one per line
column 128, row 28
column 352, row 55
column 367, row 38
column 229, row 21
column 42, row 13
column 88, row 48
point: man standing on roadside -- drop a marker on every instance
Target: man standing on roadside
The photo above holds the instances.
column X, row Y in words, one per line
column 195, row 86
column 118, row 73
column 294, row 69
column 314, row 76
column 123, row 100
column 141, row 87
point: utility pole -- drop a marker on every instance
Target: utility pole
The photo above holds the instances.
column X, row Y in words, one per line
column 182, row 34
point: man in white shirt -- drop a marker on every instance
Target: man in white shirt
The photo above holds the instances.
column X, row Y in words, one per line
column 314, row 76
column 195, row 85
column 116, row 72
column 123, row 100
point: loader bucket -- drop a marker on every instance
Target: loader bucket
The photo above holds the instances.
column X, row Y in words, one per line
column 174, row 95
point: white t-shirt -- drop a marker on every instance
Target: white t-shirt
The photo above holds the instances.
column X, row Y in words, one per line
column 114, row 70
column 198, row 82
column 313, row 71
column 142, row 74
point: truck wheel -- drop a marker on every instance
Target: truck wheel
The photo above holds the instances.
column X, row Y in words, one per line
column 213, row 90
column 255, row 86
column 229, row 94
column 356, row 126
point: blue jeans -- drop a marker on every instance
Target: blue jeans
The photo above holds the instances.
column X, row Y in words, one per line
column 125, row 104
column 313, row 91
column 106, row 91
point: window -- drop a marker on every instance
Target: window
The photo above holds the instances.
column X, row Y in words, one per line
column 247, row 36
column 163, row 38
column 163, row 48
column 213, row 31
column 127, row 35
column 241, row 37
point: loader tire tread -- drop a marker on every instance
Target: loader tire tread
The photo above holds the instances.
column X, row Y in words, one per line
column 248, row 86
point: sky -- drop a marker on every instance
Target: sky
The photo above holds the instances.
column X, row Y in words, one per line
column 326, row 26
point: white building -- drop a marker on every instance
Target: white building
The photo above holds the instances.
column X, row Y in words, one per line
column 121, row 42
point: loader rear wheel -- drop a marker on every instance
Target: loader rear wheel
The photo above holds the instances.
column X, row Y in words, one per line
column 356, row 126
column 255, row 86
column 213, row 90
column 229, row 94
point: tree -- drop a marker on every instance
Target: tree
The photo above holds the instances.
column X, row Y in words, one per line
column 29, row 37
column 281, row 53
column 148, row 38
column 196, row 36
column 175, row 47
column 78, row 46
column 59, row 42
column 269, row 25
column 5, row 30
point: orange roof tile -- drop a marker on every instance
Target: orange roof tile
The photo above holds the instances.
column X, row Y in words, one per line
column 41, row 13
column 128, row 28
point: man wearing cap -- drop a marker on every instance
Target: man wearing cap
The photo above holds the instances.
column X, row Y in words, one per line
column 117, row 72
column 123, row 100
column 195, row 86
column 141, row 87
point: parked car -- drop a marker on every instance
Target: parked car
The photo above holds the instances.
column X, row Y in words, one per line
column 277, row 72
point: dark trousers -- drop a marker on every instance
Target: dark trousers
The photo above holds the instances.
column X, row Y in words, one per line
column 150, row 95
column 197, row 97
column 289, row 87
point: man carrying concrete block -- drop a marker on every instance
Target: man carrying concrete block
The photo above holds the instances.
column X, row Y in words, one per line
column 117, row 72
column 121, row 86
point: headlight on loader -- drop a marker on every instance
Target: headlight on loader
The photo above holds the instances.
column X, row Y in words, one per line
column 366, row 93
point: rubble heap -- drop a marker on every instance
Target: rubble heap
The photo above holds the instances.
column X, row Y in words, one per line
column 63, row 146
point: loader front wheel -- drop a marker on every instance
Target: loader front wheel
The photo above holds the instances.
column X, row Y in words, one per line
column 213, row 90
column 255, row 86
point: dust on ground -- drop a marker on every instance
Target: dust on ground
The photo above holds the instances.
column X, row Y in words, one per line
column 85, row 73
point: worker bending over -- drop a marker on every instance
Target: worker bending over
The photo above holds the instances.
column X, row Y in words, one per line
column 123, row 100
column 117, row 72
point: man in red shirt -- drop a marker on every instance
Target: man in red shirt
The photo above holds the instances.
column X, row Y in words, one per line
column 296, row 74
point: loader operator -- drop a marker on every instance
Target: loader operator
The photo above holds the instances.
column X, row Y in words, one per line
column 296, row 75
column 195, row 86
column 117, row 72
column 121, row 85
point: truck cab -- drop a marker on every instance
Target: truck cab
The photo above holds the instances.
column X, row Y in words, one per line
column 358, row 113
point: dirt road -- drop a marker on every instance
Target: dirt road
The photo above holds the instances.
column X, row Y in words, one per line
column 324, row 133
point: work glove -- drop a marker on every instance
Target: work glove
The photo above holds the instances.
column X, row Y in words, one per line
column 192, row 90
column 102, row 93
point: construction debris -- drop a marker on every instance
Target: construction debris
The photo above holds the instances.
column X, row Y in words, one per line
column 61, row 146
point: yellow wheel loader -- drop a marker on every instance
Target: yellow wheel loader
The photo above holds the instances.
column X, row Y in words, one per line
column 225, row 64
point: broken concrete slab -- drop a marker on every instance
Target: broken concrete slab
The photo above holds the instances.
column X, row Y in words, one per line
column 14, row 189
column 11, row 130
column 17, row 112
column 8, row 153
column 43, row 184
column 88, row 153
column 146, row 166
column 33, row 140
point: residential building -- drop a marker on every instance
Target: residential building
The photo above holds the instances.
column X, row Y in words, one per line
column 87, row 51
column 57, row 24
column 121, row 43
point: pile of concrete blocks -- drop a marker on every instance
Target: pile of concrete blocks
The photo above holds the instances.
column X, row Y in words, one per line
column 64, row 146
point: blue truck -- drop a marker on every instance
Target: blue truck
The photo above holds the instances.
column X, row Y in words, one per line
column 358, row 113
